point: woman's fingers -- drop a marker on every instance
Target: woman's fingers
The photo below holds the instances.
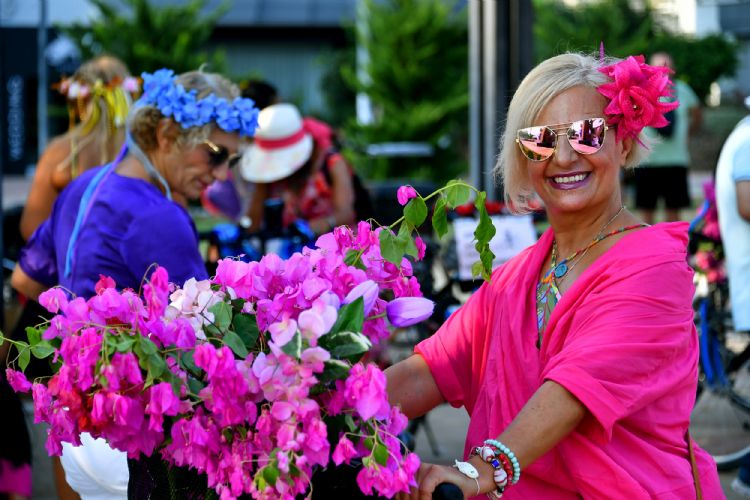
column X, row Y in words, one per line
column 430, row 476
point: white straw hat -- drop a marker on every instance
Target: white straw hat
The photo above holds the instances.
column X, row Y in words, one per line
column 280, row 147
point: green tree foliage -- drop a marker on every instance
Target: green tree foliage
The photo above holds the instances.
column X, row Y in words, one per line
column 699, row 61
column 625, row 31
column 559, row 28
column 148, row 38
column 418, row 53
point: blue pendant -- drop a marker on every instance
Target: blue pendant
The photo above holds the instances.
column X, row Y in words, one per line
column 561, row 269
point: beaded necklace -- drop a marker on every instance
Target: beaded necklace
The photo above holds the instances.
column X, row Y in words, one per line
column 548, row 293
column 561, row 269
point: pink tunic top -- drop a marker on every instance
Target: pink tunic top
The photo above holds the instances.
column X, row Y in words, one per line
column 621, row 340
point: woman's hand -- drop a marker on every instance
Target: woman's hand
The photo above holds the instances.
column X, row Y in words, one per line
column 430, row 476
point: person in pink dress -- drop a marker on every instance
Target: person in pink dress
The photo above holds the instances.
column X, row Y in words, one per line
column 578, row 361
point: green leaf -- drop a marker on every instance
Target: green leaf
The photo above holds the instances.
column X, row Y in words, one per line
column 351, row 318
column 350, row 423
column 335, row 369
column 246, row 327
column 415, row 211
column 294, row 347
column 390, row 248
column 486, row 257
column 222, row 315
column 147, row 347
column 235, row 343
column 346, row 345
column 195, row 385
column 477, row 268
column 188, row 362
column 260, row 482
column 156, row 365
column 353, row 259
column 369, row 443
column 24, row 356
column 380, row 453
column 440, row 218
column 42, row 349
column 485, row 230
column 124, row 343
column 271, row 474
column 349, row 345
column 405, row 239
column 457, row 193
column 33, row 334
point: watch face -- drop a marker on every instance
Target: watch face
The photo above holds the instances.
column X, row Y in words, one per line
column 466, row 469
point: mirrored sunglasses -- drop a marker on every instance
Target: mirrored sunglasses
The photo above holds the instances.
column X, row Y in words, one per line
column 584, row 136
column 218, row 155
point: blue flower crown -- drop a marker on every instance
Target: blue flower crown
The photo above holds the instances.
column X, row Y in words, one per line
column 161, row 90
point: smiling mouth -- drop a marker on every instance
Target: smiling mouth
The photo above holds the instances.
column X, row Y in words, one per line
column 570, row 179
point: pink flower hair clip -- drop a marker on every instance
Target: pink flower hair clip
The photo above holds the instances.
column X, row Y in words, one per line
column 636, row 96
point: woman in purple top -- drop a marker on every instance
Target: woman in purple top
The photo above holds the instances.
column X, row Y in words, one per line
column 121, row 219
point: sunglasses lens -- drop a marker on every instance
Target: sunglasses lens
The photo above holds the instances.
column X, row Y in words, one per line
column 234, row 160
column 587, row 136
column 217, row 157
column 537, row 143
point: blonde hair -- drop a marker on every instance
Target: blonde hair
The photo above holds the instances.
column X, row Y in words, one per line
column 543, row 83
column 97, row 117
column 144, row 120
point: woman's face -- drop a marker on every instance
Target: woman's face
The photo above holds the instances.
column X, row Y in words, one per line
column 189, row 171
column 570, row 182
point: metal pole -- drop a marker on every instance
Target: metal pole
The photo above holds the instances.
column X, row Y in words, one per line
column 41, row 42
column 476, row 138
column 500, row 55
column 363, row 103
column 493, row 67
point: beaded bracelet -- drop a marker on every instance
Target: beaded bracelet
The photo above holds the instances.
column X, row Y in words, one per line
column 499, row 476
column 512, row 457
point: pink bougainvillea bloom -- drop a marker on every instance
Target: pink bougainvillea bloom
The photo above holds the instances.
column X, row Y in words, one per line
column 104, row 283
column 156, row 292
column 421, row 247
column 17, row 380
column 283, row 331
column 54, row 300
column 316, row 321
column 344, row 451
column 367, row 478
column 407, row 311
column 365, row 389
column 405, row 193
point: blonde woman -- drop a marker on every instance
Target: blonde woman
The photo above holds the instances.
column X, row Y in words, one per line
column 99, row 96
column 578, row 362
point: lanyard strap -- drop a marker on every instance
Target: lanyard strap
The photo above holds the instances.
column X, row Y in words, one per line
column 84, row 207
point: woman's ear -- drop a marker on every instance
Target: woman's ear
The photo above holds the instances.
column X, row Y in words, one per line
column 166, row 134
column 626, row 146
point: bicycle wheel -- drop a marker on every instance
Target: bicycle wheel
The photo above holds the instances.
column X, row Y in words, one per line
column 720, row 422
